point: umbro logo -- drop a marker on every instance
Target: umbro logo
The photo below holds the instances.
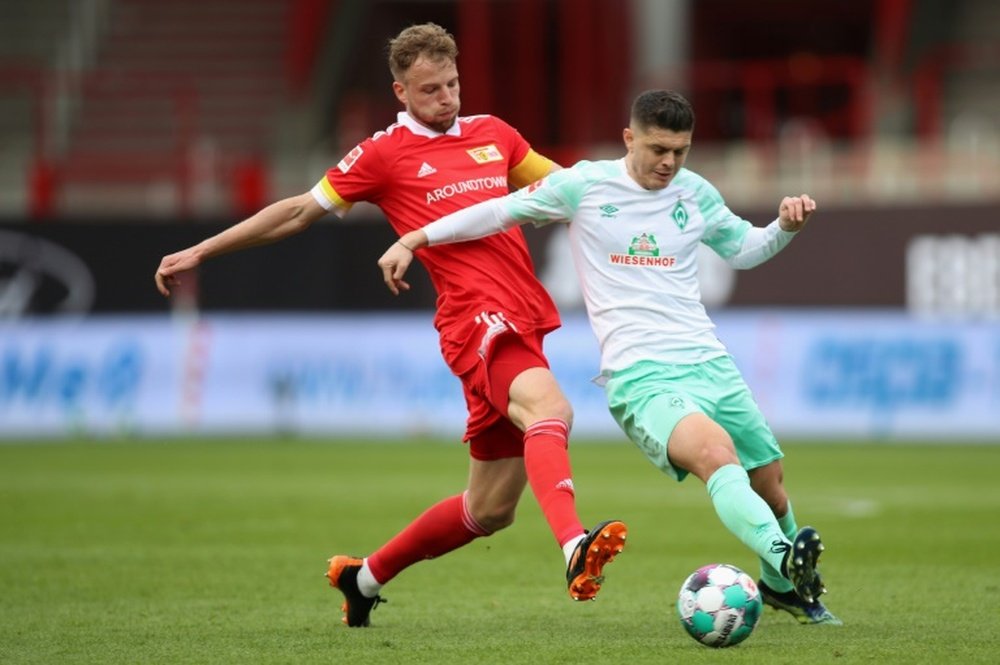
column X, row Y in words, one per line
column 426, row 170
column 779, row 547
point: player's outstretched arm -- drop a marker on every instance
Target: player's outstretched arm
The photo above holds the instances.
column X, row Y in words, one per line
column 278, row 220
column 794, row 212
column 477, row 221
column 761, row 243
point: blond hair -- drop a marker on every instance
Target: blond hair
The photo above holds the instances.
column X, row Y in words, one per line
column 428, row 40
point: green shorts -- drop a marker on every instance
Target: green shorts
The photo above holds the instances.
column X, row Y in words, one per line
column 648, row 399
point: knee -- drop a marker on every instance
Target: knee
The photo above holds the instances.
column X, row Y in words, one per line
column 554, row 408
column 552, row 405
column 562, row 409
column 718, row 455
column 713, row 456
column 535, row 395
column 767, row 482
column 493, row 511
column 700, row 446
column 775, row 497
column 495, row 518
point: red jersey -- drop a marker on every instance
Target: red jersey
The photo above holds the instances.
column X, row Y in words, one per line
column 417, row 175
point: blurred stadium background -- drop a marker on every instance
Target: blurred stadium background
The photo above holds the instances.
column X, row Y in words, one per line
column 131, row 128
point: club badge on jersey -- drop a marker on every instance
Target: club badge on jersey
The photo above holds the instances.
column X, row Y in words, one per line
column 486, row 154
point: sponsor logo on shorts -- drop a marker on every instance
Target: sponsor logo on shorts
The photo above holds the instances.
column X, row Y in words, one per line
column 496, row 324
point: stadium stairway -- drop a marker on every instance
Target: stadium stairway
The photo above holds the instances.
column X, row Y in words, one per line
column 181, row 100
column 972, row 92
column 30, row 35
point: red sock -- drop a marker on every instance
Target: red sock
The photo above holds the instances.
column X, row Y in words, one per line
column 546, row 462
column 445, row 526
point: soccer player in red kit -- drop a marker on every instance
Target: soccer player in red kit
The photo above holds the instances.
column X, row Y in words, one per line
column 492, row 315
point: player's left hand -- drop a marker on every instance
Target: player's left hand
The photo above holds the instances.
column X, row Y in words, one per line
column 794, row 212
column 394, row 264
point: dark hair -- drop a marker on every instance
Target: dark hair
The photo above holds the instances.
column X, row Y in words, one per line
column 665, row 109
column 428, row 39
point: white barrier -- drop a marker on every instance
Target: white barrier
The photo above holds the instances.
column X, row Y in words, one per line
column 829, row 375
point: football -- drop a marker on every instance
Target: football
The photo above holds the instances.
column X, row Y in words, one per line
column 719, row 605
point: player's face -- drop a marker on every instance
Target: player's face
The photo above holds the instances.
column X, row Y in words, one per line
column 429, row 90
column 655, row 155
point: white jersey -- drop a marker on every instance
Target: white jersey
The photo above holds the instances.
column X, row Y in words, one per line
column 635, row 253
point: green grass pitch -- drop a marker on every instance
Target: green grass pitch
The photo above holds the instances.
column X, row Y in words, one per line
column 214, row 552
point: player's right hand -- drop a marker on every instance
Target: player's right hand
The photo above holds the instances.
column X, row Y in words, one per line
column 394, row 264
column 170, row 266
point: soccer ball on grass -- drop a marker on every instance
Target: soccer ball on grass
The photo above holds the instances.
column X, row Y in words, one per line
column 719, row 605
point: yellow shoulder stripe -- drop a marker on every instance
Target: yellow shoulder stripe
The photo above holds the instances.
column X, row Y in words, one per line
column 335, row 198
column 533, row 167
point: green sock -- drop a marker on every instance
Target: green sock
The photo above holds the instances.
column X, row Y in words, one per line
column 769, row 574
column 788, row 524
column 747, row 515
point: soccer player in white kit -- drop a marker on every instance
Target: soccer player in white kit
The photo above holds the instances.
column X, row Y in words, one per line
column 634, row 226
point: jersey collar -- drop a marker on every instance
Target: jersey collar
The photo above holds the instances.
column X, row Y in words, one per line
column 406, row 120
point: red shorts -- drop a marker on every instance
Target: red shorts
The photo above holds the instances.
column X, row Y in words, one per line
column 487, row 386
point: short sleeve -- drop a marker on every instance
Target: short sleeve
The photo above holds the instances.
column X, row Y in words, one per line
column 359, row 176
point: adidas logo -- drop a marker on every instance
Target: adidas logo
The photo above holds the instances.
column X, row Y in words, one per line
column 566, row 484
column 425, row 170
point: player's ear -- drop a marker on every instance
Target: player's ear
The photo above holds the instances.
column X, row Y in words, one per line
column 628, row 137
column 400, row 91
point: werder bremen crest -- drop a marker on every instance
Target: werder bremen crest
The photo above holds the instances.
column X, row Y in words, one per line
column 644, row 245
column 680, row 215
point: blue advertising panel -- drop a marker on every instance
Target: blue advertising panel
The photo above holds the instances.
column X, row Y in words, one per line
column 817, row 375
